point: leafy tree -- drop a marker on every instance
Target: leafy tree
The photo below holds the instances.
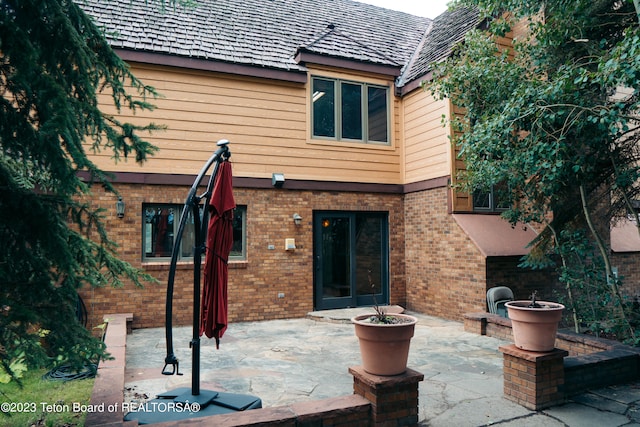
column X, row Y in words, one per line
column 53, row 62
column 553, row 122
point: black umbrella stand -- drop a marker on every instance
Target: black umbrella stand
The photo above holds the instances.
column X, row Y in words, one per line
column 183, row 402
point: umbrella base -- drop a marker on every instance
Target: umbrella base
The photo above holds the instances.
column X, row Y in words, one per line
column 180, row 404
column 203, row 399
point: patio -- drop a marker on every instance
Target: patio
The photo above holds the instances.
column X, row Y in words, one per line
column 303, row 360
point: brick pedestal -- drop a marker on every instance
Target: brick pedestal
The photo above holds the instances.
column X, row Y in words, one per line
column 394, row 399
column 533, row 379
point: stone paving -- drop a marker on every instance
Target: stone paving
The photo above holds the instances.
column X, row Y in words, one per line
column 294, row 360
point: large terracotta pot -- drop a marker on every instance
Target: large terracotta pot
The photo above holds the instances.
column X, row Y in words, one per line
column 534, row 329
column 384, row 348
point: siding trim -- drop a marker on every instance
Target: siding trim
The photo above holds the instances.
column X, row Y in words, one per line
column 428, row 184
column 265, row 183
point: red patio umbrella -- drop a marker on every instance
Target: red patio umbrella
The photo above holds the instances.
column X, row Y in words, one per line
column 218, row 246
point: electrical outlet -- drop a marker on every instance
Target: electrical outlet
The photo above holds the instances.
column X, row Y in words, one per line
column 280, row 294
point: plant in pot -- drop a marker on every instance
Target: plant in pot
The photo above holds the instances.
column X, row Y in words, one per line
column 384, row 340
column 534, row 323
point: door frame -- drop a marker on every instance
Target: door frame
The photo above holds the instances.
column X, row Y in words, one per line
column 321, row 302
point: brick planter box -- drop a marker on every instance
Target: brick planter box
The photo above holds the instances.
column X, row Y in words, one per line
column 531, row 379
column 394, row 399
column 586, row 362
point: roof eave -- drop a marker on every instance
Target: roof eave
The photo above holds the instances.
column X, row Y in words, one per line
column 145, row 57
column 303, row 57
column 414, row 84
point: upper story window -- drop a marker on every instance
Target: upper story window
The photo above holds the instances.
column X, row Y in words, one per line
column 350, row 111
column 161, row 222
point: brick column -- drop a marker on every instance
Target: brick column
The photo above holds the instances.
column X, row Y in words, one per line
column 531, row 379
column 394, row 399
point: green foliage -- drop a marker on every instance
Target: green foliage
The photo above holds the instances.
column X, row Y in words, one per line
column 591, row 299
column 17, row 368
column 552, row 121
column 53, row 63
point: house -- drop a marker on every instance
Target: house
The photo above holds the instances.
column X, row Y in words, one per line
column 328, row 123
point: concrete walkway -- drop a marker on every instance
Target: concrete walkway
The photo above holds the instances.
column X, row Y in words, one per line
column 285, row 361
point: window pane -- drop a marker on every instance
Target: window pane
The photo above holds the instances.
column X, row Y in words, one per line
column 500, row 196
column 323, row 99
column 336, row 255
column 188, row 243
column 368, row 253
column 158, row 231
column 481, row 199
column 351, row 111
column 239, row 232
column 378, row 117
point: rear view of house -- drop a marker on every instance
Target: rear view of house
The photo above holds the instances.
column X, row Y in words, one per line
column 342, row 164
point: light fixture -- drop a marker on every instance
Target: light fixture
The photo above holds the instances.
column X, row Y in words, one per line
column 297, row 219
column 120, row 207
column 277, row 180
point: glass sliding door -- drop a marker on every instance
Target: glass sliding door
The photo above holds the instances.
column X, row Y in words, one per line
column 351, row 259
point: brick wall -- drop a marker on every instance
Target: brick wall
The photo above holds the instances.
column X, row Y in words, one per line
column 504, row 271
column 254, row 284
column 629, row 270
column 446, row 273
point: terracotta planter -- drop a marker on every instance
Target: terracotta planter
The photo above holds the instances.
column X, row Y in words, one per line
column 534, row 329
column 384, row 348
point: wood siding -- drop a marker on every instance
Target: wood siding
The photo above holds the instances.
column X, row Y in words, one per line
column 267, row 122
column 427, row 148
column 463, row 201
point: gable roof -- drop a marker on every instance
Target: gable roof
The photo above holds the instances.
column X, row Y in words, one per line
column 273, row 34
column 447, row 30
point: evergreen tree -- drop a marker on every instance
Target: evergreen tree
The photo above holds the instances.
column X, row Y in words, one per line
column 53, row 62
column 553, row 122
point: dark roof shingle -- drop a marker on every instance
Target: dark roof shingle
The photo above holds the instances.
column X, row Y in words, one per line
column 269, row 33
column 447, row 30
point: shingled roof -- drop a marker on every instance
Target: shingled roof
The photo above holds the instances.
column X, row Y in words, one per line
column 270, row 33
column 447, row 30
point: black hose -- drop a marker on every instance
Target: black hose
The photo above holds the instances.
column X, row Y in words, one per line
column 66, row 373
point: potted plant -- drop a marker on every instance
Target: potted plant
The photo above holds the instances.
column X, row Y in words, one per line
column 534, row 323
column 384, row 340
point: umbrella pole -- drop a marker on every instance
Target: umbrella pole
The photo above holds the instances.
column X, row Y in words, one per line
column 197, row 260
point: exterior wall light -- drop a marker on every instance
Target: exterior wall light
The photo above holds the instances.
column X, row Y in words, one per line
column 120, row 207
column 277, row 180
column 297, row 219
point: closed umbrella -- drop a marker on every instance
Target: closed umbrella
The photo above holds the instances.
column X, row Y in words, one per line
column 218, row 246
column 210, row 311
